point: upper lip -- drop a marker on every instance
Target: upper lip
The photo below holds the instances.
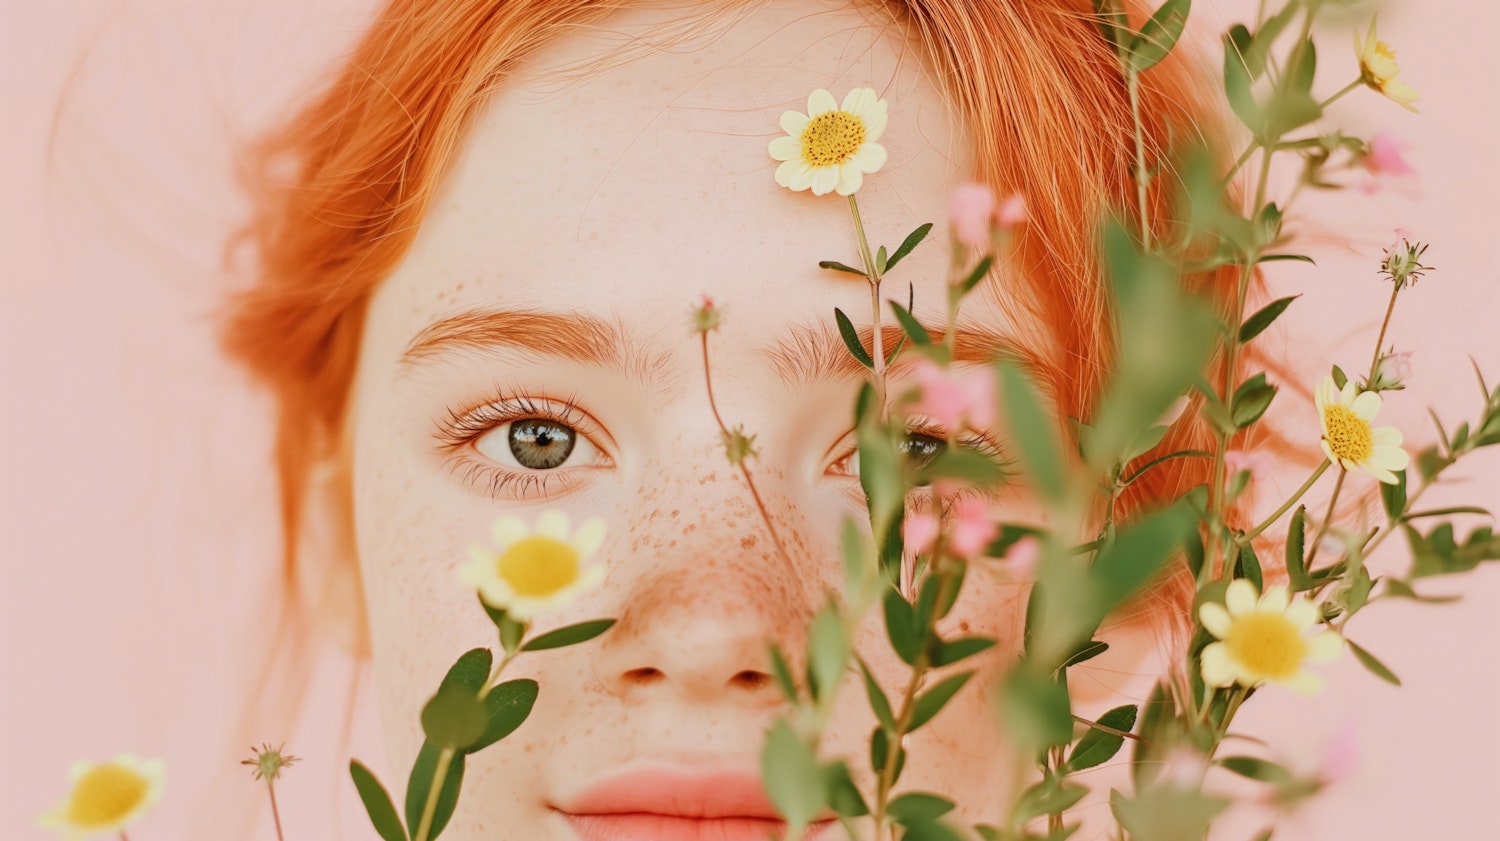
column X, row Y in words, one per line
column 666, row 789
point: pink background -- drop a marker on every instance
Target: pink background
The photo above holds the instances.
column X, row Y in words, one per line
column 139, row 531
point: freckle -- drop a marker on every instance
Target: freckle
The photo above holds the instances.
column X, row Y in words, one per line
column 672, row 545
column 691, row 527
column 675, row 512
column 748, row 541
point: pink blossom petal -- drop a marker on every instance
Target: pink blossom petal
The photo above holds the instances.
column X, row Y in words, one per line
column 1020, row 559
column 1012, row 212
column 1384, row 157
column 970, row 212
column 919, row 532
column 972, row 527
column 1341, row 756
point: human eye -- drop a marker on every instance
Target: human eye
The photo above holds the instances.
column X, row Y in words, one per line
column 924, row 442
column 521, row 447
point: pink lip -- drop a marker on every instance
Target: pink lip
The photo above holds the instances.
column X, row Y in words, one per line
column 659, row 802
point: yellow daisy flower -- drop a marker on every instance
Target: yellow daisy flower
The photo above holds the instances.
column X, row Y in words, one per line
column 106, row 796
column 831, row 148
column 1378, row 69
column 1348, row 438
column 1264, row 639
column 531, row 571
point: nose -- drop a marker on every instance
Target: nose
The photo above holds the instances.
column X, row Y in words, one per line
column 696, row 619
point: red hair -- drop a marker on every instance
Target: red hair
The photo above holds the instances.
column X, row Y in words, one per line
column 341, row 189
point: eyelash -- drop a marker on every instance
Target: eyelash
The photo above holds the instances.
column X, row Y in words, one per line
column 462, row 427
column 978, row 442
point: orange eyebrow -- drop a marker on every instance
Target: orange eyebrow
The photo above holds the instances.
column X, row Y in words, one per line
column 576, row 336
column 816, row 352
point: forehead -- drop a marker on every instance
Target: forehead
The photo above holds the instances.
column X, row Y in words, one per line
column 631, row 156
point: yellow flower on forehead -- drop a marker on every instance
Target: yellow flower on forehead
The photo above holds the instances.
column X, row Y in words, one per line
column 831, row 147
column 1263, row 639
column 107, row 796
column 1378, row 69
column 1348, row 438
column 529, row 571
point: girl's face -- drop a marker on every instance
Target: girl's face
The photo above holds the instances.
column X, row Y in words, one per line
column 553, row 280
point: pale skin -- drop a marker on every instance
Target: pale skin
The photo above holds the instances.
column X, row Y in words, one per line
column 624, row 199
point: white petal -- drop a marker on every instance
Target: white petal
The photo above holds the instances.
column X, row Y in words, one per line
column 820, row 102
column 591, row 576
column 588, row 538
column 553, row 524
column 1324, row 646
column 825, row 178
column 869, row 157
column 1366, row 406
column 480, row 556
column 1306, row 683
column 496, row 593
column 1301, row 613
column 1385, row 436
column 785, row 148
column 1391, row 458
column 507, row 530
column 793, row 123
column 850, row 179
column 802, row 178
column 1346, row 394
column 1383, row 476
column 788, row 171
column 1240, row 597
column 1215, row 618
column 1274, row 599
column 1328, row 451
column 854, row 101
column 1218, row 669
column 1323, row 395
column 875, row 127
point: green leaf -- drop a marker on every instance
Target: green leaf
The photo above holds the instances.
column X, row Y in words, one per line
column 1398, row 589
column 1086, row 651
column 840, row 267
column 1097, row 746
column 1160, row 460
column 792, row 776
column 507, row 706
column 843, row 795
column 931, row 702
column 913, row 328
column 967, row 285
column 918, row 807
column 1296, row 564
column 1032, row 430
column 880, row 746
column 1339, row 377
column 1159, row 35
column 880, row 257
column 1256, row 769
column 1445, row 512
column 828, row 651
column 1036, row 708
column 901, row 627
column 912, row 240
column 851, row 338
column 1237, row 90
column 510, row 630
column 1251, row 400
column 879, row 703
column 454, row 717
column 949, row 652
column 377, row 803
column 1256, row 324
column 1256, row 49
column 569, row 635
column 783, row 673
column 471, row 669
column 1369, row 661
column 1393, row 497
column 420, row 784
column 1249, row 567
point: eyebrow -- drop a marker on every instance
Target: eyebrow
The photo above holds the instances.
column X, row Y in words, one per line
column 803, row 355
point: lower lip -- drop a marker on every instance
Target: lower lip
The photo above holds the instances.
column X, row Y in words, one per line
column 654, row 827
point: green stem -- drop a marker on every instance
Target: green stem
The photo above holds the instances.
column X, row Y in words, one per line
column 424, row 826
column 1234, row 706
column 1340, row 95
column 1285, row 506
column 1327, row 518
column 1142, row 179
column 1380, row 340
column 877, row 354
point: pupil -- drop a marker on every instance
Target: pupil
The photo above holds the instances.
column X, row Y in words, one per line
column 540, row 444
column 920, row 450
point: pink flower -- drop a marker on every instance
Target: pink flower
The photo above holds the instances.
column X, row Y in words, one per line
column 1254, row 461
column 1020, row 559
column 970, row 212
column 972, row 528
column 950, row 398
column 1341, row 756
column 919, row 532
column 1384, row 157
column 1012, row 211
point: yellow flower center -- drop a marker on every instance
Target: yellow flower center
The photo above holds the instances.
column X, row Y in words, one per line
column 1348, row 436
column 1380, row 64
column 538, row 566
column 1267, row 644
column 831, row 138
column 105, row 795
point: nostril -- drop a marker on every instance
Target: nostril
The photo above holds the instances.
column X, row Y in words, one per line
column 750, row 679
column 643, row 676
